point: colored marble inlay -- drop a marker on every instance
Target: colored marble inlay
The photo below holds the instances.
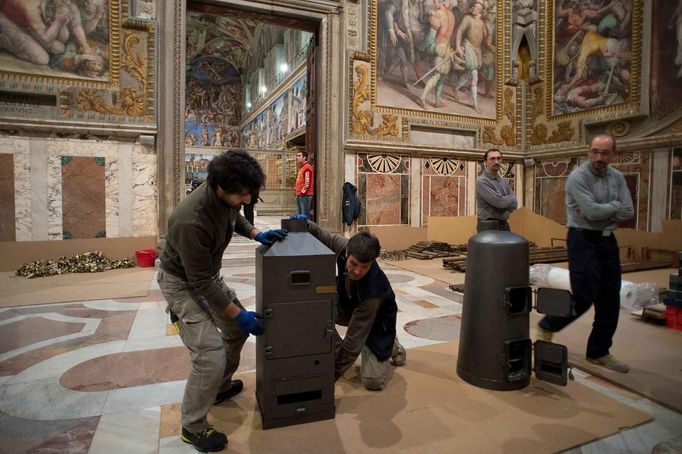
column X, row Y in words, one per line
column 383, row 199
column 83, row 197
column 32, row 330
column 444, row 196
column 124, row 370
column 553, row 199
column 7, row 214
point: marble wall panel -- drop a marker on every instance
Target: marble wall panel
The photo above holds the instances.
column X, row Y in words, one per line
column 56, row 148
column 383, row 199
column 384, row 189
column 18, row 148
column 83, row 197
column 552, row 198
column 445, row 196
column 7, row 216
column 54, row 198
column 637, row 168
column 38, row 188
column 38, row 193
column 676, row 185
column 145, row 192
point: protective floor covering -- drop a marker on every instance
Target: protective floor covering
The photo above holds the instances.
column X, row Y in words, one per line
column 19, row 291
column 653, row 352
column 427, row 408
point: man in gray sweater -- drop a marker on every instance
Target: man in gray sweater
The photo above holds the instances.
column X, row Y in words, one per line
column 597, row 198
column 213, row 323
column 494, row 198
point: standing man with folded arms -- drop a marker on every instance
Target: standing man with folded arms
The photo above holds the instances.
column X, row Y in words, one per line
column 597, row 198
column 494, row 198
column 213, row 323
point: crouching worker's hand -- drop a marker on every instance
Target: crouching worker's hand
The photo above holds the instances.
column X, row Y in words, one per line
column 249, row 322
column 267, row 238
column 299, row 216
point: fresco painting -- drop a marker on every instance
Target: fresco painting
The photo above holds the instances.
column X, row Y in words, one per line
column 57, row 38
column 666, row 57
column 592, row 57
column 212, row 110
column 437, row 56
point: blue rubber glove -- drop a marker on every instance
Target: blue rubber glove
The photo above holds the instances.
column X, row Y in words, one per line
column 299, row 216
column 267, row 238
column 249, row 323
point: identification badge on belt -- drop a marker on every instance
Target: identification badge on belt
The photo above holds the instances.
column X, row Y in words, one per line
column 606, row 233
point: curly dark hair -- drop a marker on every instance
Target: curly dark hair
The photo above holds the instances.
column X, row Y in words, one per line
column 234, row 172
column 364, row 247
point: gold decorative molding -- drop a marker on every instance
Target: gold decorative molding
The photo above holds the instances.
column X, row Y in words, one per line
column 619, row 128
column 677, row 126
column 539, row 135
column 363, row 120
column 507, row 136
column 131, row 100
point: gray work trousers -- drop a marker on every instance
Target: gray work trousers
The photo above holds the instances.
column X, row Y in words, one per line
column 215, row 343
column 375, row 374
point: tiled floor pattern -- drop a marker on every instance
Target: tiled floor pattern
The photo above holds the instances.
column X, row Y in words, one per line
column 107, row 376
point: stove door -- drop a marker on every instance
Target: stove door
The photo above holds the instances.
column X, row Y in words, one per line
column 299, row 329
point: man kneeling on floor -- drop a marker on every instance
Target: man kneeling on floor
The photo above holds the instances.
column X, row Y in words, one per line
column 366, row 305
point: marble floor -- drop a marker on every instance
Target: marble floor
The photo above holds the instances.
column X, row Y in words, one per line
column 107, row 376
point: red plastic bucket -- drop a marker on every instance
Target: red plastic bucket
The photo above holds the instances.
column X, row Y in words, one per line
column 145, row 257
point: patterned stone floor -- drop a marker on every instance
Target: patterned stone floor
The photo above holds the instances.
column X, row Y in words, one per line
column 107, row 376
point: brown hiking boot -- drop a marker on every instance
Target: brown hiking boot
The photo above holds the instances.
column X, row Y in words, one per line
column 610, row 362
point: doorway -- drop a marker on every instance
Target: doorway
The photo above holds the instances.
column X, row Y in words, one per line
column 249, row 85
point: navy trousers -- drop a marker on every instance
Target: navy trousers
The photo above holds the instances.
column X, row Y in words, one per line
column 594, row 265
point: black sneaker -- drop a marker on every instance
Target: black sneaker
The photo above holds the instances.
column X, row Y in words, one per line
column 210, row 440
column 234, row 389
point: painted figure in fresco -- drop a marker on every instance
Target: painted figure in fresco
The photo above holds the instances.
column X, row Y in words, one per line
column 403, row 34
column 204, row 135
column 442, row 24
column 472, row 36
column 217, row 138
column 605, row 90
column 676, row 22
column 615, row 18
column 612, row 50
column 35, row 30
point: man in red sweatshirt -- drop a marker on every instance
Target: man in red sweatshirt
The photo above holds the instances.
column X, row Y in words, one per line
column 305, row 182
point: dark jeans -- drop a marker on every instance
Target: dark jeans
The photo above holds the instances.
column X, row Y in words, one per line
column 501, row 225
column 594, row 265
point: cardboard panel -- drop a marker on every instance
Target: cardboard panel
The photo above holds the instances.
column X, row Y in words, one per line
column 395, row 238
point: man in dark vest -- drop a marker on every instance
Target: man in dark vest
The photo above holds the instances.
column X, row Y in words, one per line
column 366, row 305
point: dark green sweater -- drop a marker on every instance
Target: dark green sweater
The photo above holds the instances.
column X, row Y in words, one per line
column 199, row 230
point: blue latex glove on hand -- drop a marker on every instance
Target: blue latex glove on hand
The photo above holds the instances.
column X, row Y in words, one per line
column 249, row 323
column 267, row 238
column 299, row 216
